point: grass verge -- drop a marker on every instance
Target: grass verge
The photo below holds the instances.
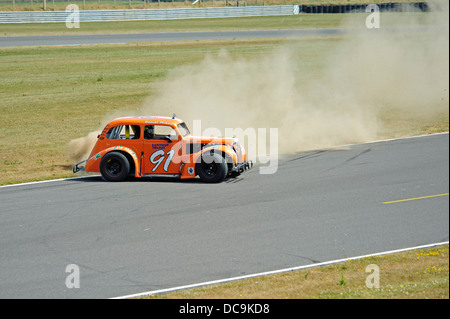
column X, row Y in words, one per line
column 414, row 274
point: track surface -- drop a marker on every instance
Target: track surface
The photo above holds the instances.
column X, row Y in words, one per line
column 81, row 39
column 151, row 234
column 52, row 40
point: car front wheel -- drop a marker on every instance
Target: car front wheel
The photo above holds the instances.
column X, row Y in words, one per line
column 212, row 168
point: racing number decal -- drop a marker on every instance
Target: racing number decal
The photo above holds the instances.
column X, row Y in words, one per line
column 158, row 157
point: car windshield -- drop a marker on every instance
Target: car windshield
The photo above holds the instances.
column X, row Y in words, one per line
column 184, row 131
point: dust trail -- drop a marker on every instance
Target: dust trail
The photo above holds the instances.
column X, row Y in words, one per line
column 80, row 148
column 364, row 74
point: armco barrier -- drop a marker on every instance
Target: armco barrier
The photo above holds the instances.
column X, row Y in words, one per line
column 196, row 13
column 146, row 14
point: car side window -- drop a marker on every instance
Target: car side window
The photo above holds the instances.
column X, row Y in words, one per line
column 159, row 132
column 127, row 132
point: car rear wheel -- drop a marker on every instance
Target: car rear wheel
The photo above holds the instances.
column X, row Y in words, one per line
column 114, row 167
column 212, row 168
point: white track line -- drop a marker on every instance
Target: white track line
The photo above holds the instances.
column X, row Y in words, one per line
column 347, row 145
column 398, row 138
column 220, row 281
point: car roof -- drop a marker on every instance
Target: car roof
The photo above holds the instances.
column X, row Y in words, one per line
column 146, row 120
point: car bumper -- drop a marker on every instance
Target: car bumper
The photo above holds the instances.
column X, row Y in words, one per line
column 242, row 167
column 79, row 166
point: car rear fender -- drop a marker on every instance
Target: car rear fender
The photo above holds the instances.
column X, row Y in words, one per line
column 93, row 163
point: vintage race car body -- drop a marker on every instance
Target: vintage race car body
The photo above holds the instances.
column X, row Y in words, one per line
column 141, row 146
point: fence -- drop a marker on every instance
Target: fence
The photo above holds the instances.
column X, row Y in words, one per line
column 145, row 14
column 194, row 13
column 21, row 5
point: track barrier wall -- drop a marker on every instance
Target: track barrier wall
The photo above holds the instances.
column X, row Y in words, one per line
column 196, row 13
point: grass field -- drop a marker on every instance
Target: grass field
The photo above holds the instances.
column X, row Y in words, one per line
column 415, row 274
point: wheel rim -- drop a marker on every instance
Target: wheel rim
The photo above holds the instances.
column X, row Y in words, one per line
column 113, row 167
column 209, row 169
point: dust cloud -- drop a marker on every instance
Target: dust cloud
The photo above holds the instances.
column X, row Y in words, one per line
column 80, row 148
column 364, row 74
column 367, row 73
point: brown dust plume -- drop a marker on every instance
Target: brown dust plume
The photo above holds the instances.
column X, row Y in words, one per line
column 366, row 73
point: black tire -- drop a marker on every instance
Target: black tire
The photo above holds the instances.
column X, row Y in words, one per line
column 114, row 167
column 212, row 168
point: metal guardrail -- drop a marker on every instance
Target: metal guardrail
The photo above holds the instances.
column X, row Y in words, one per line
column 146, row 14
column 196, row 13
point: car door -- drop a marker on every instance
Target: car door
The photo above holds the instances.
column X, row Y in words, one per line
column 162, row 152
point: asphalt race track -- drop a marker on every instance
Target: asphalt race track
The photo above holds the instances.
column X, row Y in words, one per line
column 150, row 234
column 89, row 39
column 51, row 40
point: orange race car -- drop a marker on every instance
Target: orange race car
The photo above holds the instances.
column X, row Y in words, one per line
column 140, row 146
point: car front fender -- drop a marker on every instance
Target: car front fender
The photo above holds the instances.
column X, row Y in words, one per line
column 225, row 150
